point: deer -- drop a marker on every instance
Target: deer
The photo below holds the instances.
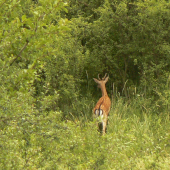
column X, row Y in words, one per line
column 102, row 108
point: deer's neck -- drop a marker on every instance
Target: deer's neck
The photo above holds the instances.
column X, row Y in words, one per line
column 103, row 89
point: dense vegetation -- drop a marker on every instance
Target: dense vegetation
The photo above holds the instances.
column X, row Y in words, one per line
column 49, row 52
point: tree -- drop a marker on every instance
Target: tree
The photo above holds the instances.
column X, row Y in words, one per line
column 130, row 41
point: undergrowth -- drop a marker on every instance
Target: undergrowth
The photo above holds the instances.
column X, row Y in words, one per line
column 136, row 138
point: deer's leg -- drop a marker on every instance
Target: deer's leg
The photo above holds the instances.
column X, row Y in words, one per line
column 104, row 125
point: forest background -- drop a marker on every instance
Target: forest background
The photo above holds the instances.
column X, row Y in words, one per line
column 50, row 51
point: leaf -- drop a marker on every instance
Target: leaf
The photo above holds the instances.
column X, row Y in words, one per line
column 24, row 18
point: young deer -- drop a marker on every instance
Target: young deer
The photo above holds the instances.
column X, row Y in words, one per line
column 102, row 107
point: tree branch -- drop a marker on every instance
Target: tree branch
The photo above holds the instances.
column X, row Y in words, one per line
column 83, row 3
column 19, row 55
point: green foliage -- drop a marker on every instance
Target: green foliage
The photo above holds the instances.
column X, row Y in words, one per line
column 136, row 139
column 39, row 53
column 49, row 53
column 130, row 41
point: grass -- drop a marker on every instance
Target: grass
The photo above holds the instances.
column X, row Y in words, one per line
column 137, row 138
column 142, row 138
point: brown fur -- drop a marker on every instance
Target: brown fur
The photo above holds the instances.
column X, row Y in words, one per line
column 104, row 102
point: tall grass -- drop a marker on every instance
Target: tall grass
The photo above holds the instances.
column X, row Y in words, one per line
column 141, row 137
column 137, row 138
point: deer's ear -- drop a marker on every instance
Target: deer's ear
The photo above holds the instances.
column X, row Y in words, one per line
column 97, row 81
column 106, row 79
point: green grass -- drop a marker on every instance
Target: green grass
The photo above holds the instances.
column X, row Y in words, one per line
column 137, row 138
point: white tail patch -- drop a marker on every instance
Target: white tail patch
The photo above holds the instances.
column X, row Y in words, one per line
column 99, row 114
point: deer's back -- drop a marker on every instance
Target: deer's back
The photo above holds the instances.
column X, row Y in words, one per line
column 104, row 103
